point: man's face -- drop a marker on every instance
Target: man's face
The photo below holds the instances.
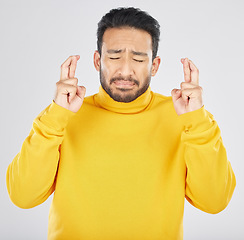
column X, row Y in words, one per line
column 125, row 63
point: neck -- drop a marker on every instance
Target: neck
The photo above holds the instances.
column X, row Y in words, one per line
column 103, row 100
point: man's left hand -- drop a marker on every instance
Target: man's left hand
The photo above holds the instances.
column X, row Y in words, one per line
column 189, row 97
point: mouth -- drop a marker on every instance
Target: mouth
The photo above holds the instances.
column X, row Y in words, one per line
column 125, row 84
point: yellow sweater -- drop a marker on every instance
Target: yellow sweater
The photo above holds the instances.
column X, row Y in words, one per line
column 121, row 171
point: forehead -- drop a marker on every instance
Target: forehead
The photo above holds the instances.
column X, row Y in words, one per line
column 127, row 38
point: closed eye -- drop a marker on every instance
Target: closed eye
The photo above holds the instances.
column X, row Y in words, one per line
column 138, row 60
column 114, row 58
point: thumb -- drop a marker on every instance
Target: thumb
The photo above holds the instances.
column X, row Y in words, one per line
column 176, row 94
column 81, row 91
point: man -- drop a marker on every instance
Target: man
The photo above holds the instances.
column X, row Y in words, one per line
column 121, row 162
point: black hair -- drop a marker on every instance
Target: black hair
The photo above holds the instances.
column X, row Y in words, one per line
column 129, row 17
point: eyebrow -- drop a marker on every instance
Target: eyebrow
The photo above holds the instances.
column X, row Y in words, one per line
column 140, row 54
column 114, row 51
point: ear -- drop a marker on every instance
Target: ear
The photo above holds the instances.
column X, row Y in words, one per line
column 155, row 65
column 97, row 60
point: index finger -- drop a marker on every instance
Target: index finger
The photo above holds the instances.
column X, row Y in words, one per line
column 186, row 69
column 194, row 73
column 68, row 67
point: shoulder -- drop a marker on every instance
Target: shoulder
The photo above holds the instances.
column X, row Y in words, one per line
column 89, row 100
column 162, row 101
column 161, row 98
column 88, row 106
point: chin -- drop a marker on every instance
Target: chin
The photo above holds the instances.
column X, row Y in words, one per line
column 125, row 98
column 124, row 94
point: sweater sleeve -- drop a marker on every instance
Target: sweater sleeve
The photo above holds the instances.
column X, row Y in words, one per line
column 210, row 180
column 31, row 176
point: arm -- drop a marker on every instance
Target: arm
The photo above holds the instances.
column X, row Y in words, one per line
column 210, row 180
column 31, row 176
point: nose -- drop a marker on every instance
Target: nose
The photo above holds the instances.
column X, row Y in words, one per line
column 126, row 68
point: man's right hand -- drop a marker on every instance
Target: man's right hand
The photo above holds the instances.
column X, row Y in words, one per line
column 68, row 94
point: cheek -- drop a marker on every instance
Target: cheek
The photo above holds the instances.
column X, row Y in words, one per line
column 144, row 71
column 106, row 69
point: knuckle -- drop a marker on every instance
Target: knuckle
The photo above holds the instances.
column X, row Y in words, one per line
column 183, row 85
column 75, row 81
column 59, row 85
column 200, row 89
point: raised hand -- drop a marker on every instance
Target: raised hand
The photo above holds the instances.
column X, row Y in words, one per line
column 189, row 97
column 68, row 94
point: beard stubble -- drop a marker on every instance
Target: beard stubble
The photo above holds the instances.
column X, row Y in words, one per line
column 126, row 98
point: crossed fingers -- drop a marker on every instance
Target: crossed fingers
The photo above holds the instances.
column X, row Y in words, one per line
column 68, row 67
column 191, row 73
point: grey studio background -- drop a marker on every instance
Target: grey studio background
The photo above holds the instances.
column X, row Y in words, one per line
column 36, row 38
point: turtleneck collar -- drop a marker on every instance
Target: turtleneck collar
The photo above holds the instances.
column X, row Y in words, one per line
column 103, row 100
